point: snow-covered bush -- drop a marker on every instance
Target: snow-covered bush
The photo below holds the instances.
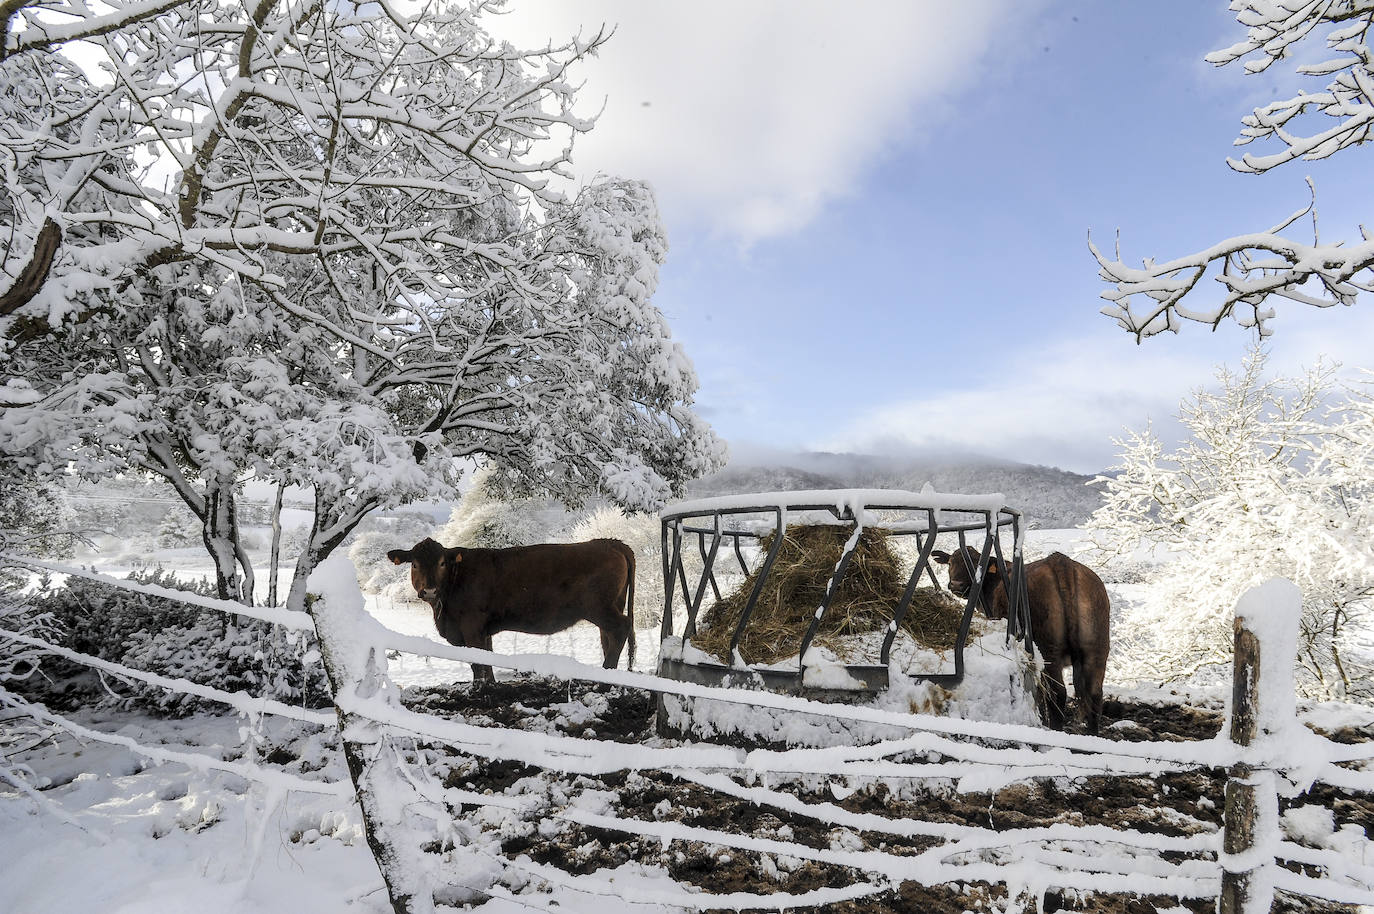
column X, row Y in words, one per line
column 376, row 573
column 236, row 655
column 487, row 519
column 100, row 620
column 1276, row 480
column 19, row 666
column 173, row 639
column 19, row 661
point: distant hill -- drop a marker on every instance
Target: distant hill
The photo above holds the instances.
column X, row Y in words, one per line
column 1050, row 498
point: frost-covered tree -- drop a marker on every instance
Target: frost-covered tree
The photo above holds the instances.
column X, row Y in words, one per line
column 177, row 529
column 1276, row 479
column 490, row 520
column 320, row 244
column 1254, row 268
column 34, row 515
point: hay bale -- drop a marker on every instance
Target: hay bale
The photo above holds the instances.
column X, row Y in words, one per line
column 867, row 596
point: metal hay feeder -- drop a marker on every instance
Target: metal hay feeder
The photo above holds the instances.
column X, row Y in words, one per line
column 732, row 520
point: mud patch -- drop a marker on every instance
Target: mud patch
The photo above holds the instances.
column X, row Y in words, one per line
column 1175, row 804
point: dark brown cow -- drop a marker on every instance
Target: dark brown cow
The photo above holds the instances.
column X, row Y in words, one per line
column 1069, row 613
column 541, row 589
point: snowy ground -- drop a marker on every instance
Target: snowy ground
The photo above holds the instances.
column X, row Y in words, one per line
column 110, row 831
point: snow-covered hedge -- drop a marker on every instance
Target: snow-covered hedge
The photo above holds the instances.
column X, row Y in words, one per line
column 175, row 640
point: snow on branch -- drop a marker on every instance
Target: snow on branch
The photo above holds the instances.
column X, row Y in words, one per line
column 1251, row 269
column 1274, row 31
column 1248, row 269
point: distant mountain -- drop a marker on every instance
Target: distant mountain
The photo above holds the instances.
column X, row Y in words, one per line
column 1050, row 498
column 736, row 480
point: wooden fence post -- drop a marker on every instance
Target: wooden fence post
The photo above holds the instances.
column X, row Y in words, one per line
column 384, row 795
column 1266, row 629
column 1241, row 801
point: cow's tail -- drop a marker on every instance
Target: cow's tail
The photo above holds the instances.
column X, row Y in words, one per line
column 630, row 607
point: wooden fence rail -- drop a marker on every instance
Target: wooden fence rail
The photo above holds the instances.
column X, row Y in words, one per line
column 1241, row 865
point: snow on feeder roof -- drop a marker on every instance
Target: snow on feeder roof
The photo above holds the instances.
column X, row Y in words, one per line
column 748, row 657
column 842, row 501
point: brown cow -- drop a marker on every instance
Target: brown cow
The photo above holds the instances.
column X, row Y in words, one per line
column 1069, row 613
column 540, row 589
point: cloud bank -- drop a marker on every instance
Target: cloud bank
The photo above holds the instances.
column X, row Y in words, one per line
column 1063, row 405
column 749, row 117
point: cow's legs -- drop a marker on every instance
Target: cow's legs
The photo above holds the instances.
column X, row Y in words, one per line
column 1053, row 693
column 1088, row 675
column 613, row 635
column 482, row 670
column 1090, row 693
column 1080, row 685
column 473, row 637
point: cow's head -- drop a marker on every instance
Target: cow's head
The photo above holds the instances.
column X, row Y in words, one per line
column 963, row 565
column 431, row 568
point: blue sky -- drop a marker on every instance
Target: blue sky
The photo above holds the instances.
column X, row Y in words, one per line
column 879, row 221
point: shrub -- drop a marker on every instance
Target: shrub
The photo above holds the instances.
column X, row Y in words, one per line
column 1273, row 481
column 174, row 639
column 376, row 574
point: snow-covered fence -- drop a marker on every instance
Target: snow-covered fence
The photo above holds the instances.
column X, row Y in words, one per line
column 972, row 755
column 252, row 706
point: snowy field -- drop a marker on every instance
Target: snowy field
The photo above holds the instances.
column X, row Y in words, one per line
column 134, row 835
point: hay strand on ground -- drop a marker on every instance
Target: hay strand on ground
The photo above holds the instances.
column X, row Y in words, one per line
column 864, row 602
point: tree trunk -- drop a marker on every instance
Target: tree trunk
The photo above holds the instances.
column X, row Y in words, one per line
column 384, row 793
column 220, row 533
column 276, row 546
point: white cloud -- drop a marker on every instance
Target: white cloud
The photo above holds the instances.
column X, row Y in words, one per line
column 1060, row 409
column 1062, row 405
column 749, row 117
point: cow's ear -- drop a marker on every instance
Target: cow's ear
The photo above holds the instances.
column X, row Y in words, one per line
column 454, row 555
column 399, row 556
column 940, row 556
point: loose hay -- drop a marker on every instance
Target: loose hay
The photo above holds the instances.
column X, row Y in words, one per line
column 867, row 596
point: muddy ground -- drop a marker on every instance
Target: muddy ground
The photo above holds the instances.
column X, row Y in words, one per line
column 1173, row 804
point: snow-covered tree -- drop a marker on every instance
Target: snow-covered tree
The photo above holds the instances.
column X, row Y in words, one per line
column 177, row 529
column 321, row 245
column 34, row 515
column 1276, row 479
column 489, row 520
column 1254, row 268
